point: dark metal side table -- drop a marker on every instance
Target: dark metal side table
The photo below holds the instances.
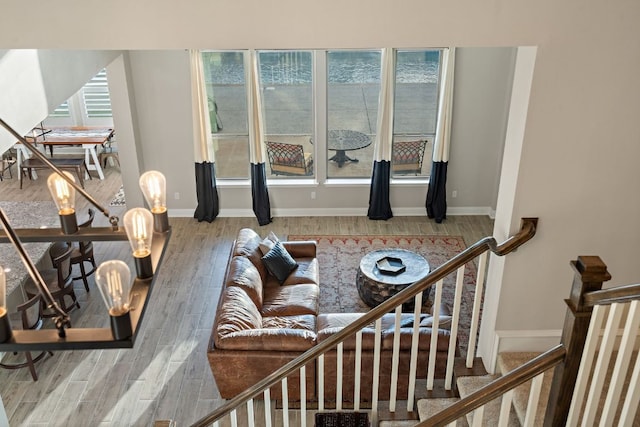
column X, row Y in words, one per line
column 376, row 285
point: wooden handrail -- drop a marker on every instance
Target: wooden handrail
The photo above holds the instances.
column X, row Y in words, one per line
column 497, row 388
column 526, row 232
column 618, row 294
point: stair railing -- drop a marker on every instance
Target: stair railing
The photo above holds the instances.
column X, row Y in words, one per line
column 593, row 319
column 435, row 277
column 501, row 387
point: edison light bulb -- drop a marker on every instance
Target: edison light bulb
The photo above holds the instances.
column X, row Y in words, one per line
column 64, row 195
column 138, row 223
column 114, row 281
column 153, row 186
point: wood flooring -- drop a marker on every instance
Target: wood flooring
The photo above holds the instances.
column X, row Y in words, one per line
column 166, row 376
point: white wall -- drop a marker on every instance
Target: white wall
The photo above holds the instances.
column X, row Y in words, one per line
column 34, row 82
column 578, row 171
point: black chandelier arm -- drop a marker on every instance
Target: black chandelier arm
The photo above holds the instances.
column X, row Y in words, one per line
column 53, row 167
column 63, row 318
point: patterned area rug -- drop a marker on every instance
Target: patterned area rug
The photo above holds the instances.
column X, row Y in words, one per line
column 339, row 258
column 118, row 199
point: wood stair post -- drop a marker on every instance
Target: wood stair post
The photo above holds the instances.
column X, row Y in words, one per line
column 591, row 272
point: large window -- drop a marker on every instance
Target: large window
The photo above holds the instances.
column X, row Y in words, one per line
column 415, row 111
column 226, row 91
column 353, row 87
column 351, row 81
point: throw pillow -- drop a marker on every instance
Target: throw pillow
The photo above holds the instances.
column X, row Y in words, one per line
column 267, row 244
column 279, row 262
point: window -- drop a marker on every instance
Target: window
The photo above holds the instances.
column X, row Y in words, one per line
column 90, row 106
column 351, row 80
column 353, row 87
column 95, row 96
column 61, row 111
column 415, row 111
column 287, row 94
column 227, row 94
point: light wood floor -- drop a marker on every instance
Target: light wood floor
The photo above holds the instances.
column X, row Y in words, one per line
column 166, row 375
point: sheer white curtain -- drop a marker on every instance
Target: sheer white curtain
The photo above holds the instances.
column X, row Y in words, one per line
column 437, row 194
column 379, row 205
column 259, row 191
column 384, row 125
column 202, row 141
column 205, row 171
column 445, row 107
column 254, row 106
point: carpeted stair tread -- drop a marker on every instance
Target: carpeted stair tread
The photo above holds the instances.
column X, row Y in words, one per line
column 467, row 385
column 509, row 361
column 429, row 407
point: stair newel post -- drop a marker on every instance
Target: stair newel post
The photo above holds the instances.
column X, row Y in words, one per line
column 590, row 273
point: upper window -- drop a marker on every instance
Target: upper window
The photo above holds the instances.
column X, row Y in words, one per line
column 353, row 88
column 224, row 77
column 415, row 111
column 351, row 80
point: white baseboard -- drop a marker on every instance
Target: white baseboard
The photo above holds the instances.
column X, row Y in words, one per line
column 295, row 212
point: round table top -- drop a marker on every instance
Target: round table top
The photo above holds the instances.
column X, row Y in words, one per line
column 416, row 266
column 345, row 140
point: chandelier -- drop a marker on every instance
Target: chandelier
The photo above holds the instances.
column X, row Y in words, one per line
column 126, row 298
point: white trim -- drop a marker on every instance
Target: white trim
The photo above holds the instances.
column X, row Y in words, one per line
column 356, row 211
column 521, row 340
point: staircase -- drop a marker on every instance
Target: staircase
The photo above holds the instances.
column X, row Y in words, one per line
column 469, row 381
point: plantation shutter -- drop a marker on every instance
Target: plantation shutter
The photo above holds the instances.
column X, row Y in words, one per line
column 95, row 95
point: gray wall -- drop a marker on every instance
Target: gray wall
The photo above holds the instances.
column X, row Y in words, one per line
column 483, row 79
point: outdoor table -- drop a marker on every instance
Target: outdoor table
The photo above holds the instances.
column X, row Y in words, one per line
column 342, row 141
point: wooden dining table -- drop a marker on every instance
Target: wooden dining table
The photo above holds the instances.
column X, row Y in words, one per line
column 88, row 137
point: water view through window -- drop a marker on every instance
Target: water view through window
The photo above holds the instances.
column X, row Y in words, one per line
column 353, row 86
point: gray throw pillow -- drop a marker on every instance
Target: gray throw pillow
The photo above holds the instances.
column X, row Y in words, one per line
column 279, row 262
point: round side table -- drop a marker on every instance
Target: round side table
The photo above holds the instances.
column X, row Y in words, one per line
column 381, row 275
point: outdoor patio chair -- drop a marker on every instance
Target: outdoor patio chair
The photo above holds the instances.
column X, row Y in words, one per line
column 289, row 159
column 407, row 157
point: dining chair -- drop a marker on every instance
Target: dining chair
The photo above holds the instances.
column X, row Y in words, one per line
column 57, row 279
column 8, row 160
column 108, row 152
column 32, row 318
column 289, row 159
column 83, row 252
column 407, row 157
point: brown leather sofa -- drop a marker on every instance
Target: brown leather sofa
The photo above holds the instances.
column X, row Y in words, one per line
column 260, row 325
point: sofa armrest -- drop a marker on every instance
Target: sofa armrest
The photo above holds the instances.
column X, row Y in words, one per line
column 301, row 249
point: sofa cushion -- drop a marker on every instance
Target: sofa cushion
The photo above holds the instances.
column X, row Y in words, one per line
column 268, row 243
column 332, row 323
column 236, row 314
column 279, row 262
column 290, row 300
column 247, row 244
column 286, row 333
column 244, row 274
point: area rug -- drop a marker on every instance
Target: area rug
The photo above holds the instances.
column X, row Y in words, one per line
column 118, row 199
column 339, row 258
